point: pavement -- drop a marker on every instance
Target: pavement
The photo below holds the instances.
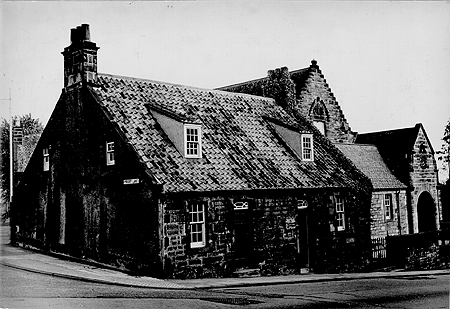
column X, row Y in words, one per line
column 89, row 271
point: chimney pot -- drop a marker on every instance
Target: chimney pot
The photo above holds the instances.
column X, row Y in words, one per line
column 73, row 35
column 314, row 63
column 85, row 34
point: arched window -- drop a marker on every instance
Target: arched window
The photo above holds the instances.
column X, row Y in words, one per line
column 423, row 156
column 319, row 115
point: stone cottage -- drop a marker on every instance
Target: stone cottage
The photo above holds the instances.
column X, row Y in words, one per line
column 400, row 163
column 171, row 180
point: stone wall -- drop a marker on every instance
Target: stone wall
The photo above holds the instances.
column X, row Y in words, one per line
column 274, row 225
column 433, row 257
column 382, row 227
column 181, row 261
column 81, row 206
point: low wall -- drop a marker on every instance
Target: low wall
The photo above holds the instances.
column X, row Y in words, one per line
column 433, row 257
column 430, row 250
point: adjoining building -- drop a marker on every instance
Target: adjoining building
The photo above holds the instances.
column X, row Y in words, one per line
column 400, row 163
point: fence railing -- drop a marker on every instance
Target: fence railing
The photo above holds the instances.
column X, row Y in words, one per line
column 379, row 248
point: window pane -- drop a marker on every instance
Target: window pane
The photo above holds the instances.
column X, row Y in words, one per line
column 307, row 153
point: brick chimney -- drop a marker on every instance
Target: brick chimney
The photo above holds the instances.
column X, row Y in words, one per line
column 80, row 58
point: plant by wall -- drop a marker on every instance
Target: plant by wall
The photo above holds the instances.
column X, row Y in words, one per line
column 280, row 87
column 30, row 126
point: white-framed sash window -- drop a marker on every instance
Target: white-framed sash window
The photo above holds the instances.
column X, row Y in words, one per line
column 110, row 154
column 197, row 224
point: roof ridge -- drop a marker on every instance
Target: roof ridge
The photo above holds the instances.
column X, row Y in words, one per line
column 392, row 130
column 258, row 79
column 355, row 144
column 218, row 91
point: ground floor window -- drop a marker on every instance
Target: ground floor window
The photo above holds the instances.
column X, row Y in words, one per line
column 340, row 213
column 197, row 224
column 388, row 206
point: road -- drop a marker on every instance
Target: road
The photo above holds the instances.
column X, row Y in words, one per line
column 430, row 292
column 22, row 289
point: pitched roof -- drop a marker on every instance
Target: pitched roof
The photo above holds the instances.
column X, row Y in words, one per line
column 240, row 148
column 369, row 161
column 401, row 139
column 256, row 86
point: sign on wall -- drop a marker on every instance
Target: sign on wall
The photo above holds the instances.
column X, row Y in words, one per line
column 131, row 181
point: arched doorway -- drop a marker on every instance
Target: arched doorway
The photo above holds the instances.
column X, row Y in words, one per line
column 426, row 212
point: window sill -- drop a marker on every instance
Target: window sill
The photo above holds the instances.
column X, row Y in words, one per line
column 197, row 245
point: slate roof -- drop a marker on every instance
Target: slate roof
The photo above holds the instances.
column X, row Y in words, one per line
column 369, row 161
column 400, row 139
column 241, row 150
column 395, row 146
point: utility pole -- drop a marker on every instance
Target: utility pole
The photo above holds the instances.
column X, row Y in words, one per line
column 11, row 163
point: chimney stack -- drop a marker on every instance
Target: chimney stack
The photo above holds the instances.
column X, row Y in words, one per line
column 80, row 58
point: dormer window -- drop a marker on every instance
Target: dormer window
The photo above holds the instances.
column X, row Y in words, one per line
column 307, row 147
column 46, row 156
column 110, row 156
column 192, row 141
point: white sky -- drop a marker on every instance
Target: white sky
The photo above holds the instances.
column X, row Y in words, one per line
column 386, row 62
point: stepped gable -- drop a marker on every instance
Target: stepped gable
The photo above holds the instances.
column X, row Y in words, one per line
column 311, row 88
column 241, row 150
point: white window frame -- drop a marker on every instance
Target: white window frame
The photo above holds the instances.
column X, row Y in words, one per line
column 388, row 207
column 340, row 213
column 110, row 154
column 46, row 159
column 197, row 226
column 192, row 142
column 307, row 147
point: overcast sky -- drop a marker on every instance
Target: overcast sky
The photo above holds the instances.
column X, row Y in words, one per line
column 388, row 63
